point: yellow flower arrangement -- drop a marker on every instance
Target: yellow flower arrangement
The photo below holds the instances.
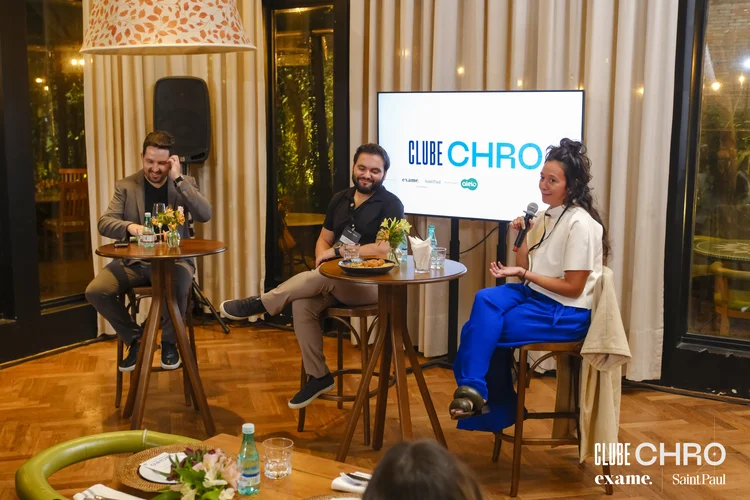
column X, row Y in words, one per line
column 392, row 231
column 171, row 218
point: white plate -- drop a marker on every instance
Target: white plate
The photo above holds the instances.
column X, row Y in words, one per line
column 151, row 470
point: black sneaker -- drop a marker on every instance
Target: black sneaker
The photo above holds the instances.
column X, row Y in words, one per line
column 128, row 364
column 240, row 309
column 170, row 358
column 313, row 388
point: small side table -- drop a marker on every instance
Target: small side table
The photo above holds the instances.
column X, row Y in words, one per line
column 162, row 259
column 392, row 340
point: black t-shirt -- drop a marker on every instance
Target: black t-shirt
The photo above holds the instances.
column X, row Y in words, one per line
column 366, row 218
column 155, row 195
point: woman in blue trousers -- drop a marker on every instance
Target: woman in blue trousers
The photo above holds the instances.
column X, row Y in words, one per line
column 553, row 302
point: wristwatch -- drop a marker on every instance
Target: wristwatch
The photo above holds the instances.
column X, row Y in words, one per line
column 178, row 179
column 337, row 251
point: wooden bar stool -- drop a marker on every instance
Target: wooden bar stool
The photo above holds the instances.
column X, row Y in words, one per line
column 134, row 296
column 343, row 316
column 525, row 373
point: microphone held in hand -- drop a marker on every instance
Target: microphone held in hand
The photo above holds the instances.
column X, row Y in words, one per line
column 529, row 214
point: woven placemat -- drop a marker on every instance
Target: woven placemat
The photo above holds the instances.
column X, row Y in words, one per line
column 128, row 475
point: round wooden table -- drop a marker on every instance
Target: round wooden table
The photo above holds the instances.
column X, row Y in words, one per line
column 162, row 259
column 392, row 340
column 717, row 248
column 295, row 219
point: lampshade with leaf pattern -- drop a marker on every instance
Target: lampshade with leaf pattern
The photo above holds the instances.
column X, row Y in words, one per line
column 164, row 27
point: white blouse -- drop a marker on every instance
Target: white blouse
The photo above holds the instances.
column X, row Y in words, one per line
column 572, row 242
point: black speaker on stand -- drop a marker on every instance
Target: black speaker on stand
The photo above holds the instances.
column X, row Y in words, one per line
column 182, row 108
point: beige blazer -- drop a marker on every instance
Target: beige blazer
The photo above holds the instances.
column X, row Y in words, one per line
column 604, row 351
column 127, row 205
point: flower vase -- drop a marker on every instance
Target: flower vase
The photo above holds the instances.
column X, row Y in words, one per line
column 173, row 238
column 394, row 255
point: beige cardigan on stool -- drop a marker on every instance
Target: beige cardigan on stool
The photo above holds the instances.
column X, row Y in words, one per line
column 604, row 351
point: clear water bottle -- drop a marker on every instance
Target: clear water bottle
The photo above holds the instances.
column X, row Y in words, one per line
column 248, row 462
column 433, row 245
column 148, row 238
column 404, row 249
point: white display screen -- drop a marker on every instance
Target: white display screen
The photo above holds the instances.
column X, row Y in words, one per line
column 473, row 155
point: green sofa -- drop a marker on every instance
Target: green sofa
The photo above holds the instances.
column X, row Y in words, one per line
column 31, row 478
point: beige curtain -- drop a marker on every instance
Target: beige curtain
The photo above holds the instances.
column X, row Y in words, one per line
column 118, row 92
column 620, row 52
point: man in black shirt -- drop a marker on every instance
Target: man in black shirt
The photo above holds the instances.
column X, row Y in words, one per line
column 160, row 181
column 354, row 215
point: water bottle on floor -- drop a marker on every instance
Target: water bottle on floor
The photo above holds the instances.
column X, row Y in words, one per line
column 433, row 245
column 148, row 238
column 248, row 462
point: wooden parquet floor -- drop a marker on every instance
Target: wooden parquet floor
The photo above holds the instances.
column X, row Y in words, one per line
column 250, row 374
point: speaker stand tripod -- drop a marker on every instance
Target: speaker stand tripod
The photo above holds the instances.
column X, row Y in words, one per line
column 201, row 298
column 203, row 301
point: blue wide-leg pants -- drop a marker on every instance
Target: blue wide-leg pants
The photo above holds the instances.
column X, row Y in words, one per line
column 503, row 317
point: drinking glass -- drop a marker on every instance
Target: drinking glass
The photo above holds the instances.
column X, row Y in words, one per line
column 277, row 457
column 422, row 258
column 159, row 208
column 440, row 258
column 351, row 252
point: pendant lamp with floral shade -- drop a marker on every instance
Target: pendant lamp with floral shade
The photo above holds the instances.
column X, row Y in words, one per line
column 164, row 27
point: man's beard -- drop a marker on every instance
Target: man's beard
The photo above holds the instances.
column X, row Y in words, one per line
column 374, row 185
column 161, row 176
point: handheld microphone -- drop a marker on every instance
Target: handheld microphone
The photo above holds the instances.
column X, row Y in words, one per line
column 530, row 213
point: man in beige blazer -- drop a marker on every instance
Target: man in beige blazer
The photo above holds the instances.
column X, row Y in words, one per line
column 160, row 181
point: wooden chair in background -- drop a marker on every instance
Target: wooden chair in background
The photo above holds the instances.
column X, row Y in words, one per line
column 72, row 174
column 730, row 302
column 72, row 218
column 292, row 253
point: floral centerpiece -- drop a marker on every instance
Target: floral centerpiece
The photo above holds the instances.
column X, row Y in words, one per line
column 393, row 231
column 171, row 218
column 202, row 475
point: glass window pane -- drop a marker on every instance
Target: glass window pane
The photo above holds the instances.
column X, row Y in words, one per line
column 720, row 274
column 55, row 33
column 303, row 136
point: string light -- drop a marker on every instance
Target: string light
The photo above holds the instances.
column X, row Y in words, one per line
column 39, row 80
column 746, row 63
column 641, row 90
column 519, row 83
column 74, row 62
column 742, row 79
column 716, row 86
column 460, row 70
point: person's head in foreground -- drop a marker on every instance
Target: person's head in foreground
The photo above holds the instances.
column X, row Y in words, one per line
column 421, row 469
column 565, row 181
